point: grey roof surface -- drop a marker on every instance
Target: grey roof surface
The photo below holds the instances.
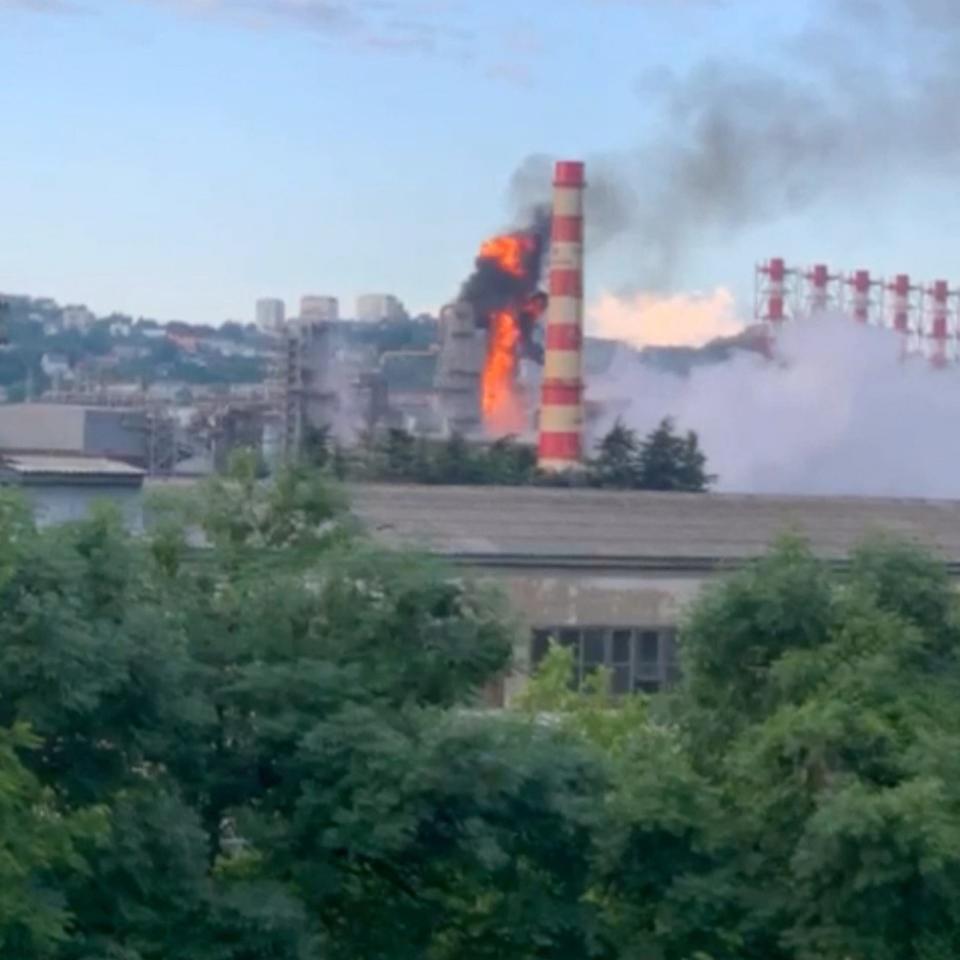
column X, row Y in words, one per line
column 531, row 526
column 40, row 464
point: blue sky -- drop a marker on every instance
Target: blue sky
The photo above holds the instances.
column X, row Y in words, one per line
column 179, row 158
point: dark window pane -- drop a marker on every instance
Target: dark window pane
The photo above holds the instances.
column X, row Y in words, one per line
column 649, row 647
column 539, row 645
column 621, row 646
column 621, row 679
column 593, row 647
column 569, row 638
column 669, row 641
column 646, row 686
column 647, row 671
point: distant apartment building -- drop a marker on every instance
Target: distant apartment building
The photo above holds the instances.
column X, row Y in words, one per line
column 121, row 328
column 77, row 318
column 271, row 314
column 320, row 309
column 56, row 365
column 380, row 308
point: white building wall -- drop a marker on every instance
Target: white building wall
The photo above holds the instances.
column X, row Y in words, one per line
column 62, row 503
column 314, row 307
column 271, row 314
column 379, row 308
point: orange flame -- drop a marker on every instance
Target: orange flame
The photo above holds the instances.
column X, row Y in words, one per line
column 508, row 252
column 502, row 401
column 502, row 406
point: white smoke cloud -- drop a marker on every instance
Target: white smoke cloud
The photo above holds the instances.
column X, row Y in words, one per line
column 651, row 320
column 839, row 413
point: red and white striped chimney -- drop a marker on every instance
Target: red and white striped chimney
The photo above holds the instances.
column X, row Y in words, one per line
column 561, row 408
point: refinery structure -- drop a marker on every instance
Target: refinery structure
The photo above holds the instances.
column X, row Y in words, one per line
column 508, row 360
column 506, row 357
column 925, row 315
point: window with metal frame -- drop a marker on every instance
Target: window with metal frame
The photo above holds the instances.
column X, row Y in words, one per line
column 639, row 659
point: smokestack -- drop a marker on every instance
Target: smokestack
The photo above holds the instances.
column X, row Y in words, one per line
column 561, row 408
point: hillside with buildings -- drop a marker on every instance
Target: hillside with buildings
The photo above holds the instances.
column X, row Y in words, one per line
column 185, row 395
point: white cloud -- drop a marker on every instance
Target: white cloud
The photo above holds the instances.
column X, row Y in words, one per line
column 648, row 319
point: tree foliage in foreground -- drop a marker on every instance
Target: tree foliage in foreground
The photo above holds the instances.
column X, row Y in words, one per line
column 272, row 752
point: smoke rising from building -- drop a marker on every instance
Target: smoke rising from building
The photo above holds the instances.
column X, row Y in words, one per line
column 839, row 413
column 864, row 94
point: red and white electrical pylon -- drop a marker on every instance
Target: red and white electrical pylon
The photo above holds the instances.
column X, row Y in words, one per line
column 821, row 290
column 939, row 322
column 775, row 292
column 864, row 297
column 904, row 306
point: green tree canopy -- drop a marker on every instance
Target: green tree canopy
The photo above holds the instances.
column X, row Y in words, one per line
column 662, row 460
column 270, row 747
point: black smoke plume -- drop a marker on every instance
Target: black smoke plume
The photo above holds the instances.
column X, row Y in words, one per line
column 491, row 289
column 858, row 101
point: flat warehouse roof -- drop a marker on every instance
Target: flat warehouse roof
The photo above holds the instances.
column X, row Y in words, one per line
column 580, row 528
column 41, row 467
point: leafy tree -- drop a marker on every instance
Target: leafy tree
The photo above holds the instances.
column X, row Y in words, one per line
column 268, row 750
column 670, row 462
column 825, row 711
column 508, row 462
column 317, row 447
column 617, row 461
column 661, row 461
column 454, row 462
column 399, row 454
column 37, row 843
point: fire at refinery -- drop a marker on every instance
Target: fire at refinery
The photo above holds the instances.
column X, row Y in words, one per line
column 481, row 380
column 507, row 305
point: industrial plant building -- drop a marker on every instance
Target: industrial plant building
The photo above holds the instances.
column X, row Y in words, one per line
column 61, row 488
column 611, row 573
column 115, row 433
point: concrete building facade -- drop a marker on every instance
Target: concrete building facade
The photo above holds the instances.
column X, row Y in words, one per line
column 463, row 348
column 307, row 395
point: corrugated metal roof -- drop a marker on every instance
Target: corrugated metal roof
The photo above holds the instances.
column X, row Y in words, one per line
column 39, row 464
column 586, row 527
